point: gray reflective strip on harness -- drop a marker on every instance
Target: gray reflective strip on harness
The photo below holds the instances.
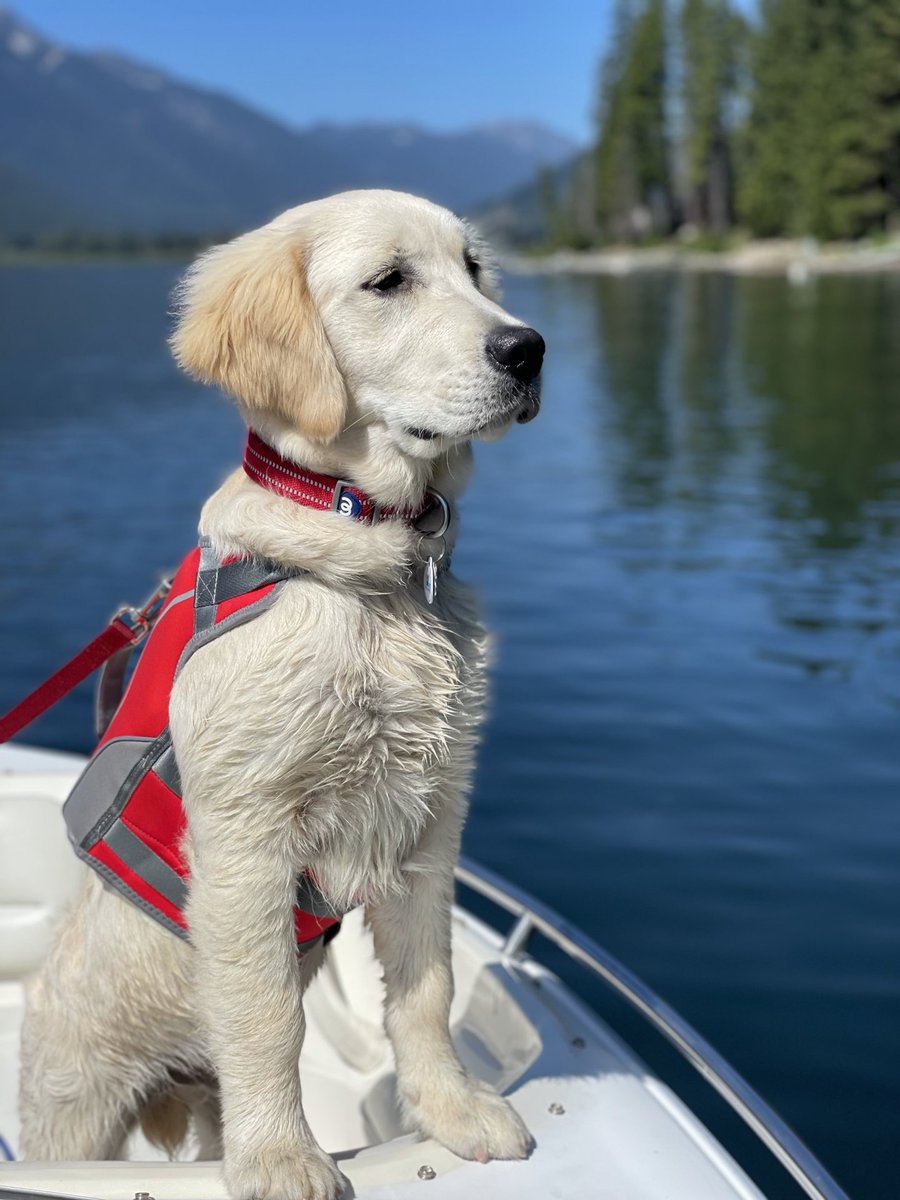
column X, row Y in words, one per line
column 204, row 605
column 139, row 858
column 118, row 884
column 217, row 582
column 236, row 579
column 99, row 786
column 166, row 769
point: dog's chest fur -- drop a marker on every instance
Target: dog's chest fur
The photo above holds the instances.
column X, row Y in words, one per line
column 357, row 712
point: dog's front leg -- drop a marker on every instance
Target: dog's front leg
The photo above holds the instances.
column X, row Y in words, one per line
column 412, row 940
column 250, row 984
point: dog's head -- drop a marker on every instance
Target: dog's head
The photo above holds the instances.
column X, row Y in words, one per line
column 370, row 309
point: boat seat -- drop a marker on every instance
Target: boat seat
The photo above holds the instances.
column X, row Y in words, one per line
column 39, row 874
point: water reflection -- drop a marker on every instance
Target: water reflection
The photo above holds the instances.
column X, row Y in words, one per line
column 751, row 431
column 711, row 381
column 635, row 320
column 825, row 359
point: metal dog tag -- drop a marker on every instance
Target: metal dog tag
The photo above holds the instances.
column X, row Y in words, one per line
column 430, row 569
column 429, row 580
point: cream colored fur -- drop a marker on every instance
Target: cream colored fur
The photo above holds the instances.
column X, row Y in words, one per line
column 337, row 731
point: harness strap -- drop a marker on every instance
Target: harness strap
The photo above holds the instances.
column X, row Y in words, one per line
column 110, row 686
column 218, row 581
column 127, row 628
column 236, row 579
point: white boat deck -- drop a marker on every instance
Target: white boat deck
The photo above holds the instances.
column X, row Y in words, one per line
column 605, row 1127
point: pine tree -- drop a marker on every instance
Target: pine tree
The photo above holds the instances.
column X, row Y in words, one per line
column 645, row 80
column 633, row 185
column 710, row 42
column 767, row 195
column 822, row 153
column 615, row 187
column 823, row 134
column 865, row 175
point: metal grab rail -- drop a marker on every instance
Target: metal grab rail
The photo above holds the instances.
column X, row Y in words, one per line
column 797, row 1159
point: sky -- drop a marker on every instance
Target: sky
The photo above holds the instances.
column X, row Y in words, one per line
column 438, row 64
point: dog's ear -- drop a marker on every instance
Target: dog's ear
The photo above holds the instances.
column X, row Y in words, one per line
column 246, row 322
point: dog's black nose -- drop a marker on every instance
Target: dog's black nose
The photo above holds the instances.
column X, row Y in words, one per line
column 517, row 349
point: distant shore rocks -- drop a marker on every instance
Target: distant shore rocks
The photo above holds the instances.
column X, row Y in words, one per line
column 797, row 260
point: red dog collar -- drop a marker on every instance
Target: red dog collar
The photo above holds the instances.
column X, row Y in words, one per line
column 269, row 469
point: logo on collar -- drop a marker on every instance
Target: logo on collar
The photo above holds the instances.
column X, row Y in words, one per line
column 349, row 505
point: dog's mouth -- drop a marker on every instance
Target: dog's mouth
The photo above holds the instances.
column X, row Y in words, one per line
column 523, row 408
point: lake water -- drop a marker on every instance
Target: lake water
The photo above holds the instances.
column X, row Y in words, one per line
column 691, row 560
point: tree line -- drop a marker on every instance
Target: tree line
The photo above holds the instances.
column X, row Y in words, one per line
column 78, row 243
column 784, row 125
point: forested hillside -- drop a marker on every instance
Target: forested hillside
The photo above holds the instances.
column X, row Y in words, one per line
column 707, row 122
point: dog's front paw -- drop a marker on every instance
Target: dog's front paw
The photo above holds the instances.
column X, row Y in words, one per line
column 283, row 1173
column 472, row 1121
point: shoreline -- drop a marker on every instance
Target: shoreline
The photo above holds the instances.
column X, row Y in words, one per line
column 797, row 260
column 49, row 258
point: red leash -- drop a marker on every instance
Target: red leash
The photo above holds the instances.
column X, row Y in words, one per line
column 127, row 627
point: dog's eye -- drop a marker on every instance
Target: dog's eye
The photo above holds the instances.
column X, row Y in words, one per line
column 388, row 283
column 473, row 266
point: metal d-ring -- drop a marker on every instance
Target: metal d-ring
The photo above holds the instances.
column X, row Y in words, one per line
column 444, row 505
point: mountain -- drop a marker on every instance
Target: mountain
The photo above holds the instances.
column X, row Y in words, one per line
column 462, row 169
column 96, row 141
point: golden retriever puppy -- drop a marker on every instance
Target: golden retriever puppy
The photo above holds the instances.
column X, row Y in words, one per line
column 361, row 339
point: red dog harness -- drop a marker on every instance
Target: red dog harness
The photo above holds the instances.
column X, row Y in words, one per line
column 124, row 815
